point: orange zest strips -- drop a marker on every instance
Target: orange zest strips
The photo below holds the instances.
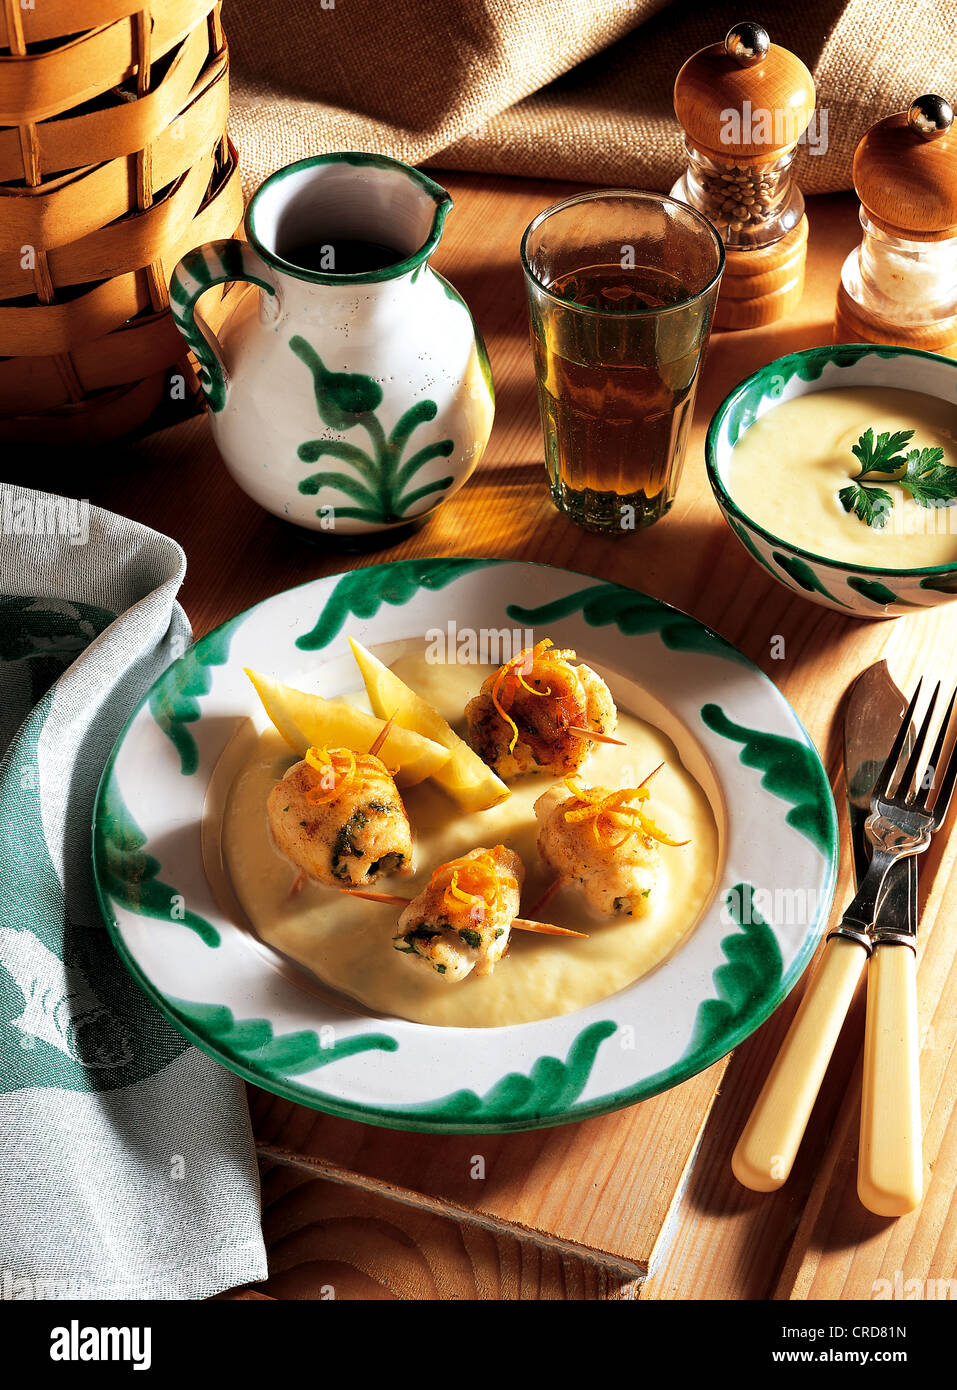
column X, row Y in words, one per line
column 476, row 882
column 656, row 833
column 336, row 770
column 605, row 811
column 500, row 691
column 476, row 901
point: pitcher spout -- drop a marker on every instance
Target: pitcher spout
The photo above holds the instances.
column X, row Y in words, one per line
column 347, row 218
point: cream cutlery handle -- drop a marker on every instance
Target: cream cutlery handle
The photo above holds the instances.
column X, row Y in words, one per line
column 890, row 1166
column 765, row 1152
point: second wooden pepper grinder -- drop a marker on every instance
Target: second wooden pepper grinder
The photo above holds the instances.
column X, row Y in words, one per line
column 900, row 285
column 744, row 104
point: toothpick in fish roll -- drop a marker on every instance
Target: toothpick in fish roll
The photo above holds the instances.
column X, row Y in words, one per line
column 604, row 843
column 338, row 817
column 460, row 923
column 524, row 717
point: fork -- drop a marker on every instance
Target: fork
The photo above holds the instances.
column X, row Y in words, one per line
column 890, row 1171
column 890, row 1162
column 900, row 823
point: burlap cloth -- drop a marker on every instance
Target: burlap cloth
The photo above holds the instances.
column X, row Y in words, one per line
column 573, row 89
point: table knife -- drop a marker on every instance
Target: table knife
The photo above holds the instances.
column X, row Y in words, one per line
column 890, row 1159
column 765, row 1153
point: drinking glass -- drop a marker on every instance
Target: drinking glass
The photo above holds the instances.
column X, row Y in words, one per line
column 621, row 288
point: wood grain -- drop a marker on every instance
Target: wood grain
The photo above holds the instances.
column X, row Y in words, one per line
column 327, row 1241
column 621, row 1189
column 627, row 1169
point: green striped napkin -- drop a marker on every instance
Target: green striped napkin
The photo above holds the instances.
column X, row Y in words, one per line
column 126, row 1161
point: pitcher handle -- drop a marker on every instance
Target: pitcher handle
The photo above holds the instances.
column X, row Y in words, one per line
column 198, row 271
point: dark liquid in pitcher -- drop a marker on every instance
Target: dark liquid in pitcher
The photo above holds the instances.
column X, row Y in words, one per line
column 343, row 256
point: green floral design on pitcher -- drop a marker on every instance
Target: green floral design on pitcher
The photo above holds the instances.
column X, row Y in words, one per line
column 380, row 481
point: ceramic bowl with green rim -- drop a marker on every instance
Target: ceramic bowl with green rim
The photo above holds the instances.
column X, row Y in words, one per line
column 877, row 590
column 732, row 730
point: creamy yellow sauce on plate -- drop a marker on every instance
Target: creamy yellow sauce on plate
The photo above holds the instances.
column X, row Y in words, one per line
column 787, row 469
column 347, row 942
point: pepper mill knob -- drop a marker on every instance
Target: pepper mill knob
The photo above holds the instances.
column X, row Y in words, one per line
column 905, row 172
column 747, row 44
column 746, row 98
column 931, row 116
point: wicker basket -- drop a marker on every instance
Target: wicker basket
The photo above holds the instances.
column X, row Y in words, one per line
column 113, row 163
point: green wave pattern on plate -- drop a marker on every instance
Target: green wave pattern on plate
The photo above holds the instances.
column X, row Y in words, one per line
column 362, row 592
column 791, row 770
column 130, row 876
column 751, row 979
column 550, row 1088
column 252, row 1044
column 174, row 702
column 634, row 614
column 749, row 984
column 746, row 985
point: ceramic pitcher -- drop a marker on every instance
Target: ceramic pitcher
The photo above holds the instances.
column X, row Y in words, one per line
column 348, row 402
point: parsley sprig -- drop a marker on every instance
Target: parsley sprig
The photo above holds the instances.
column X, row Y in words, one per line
column 921, row 472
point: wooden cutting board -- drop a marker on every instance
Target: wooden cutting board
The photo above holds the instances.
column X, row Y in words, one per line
column 602, row 1187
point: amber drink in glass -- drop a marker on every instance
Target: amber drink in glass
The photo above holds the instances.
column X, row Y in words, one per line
column 621, row 289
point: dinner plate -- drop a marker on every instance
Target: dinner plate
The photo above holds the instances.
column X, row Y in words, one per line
column 273, row 1023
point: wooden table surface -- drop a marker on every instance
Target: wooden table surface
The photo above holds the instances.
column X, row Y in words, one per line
column 350, row 1216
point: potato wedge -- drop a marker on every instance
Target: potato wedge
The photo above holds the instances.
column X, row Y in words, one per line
column 465, row 777
column 306, row 720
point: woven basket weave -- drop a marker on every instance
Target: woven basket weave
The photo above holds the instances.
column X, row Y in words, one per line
column 113, row 163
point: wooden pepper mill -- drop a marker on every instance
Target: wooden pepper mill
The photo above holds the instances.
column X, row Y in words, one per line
column 900, row 285
column 744, row 104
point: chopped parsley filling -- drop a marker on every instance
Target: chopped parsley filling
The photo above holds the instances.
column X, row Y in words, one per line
column 344, row 845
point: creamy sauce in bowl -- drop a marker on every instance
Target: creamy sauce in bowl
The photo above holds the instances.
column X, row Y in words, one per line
column 347, row 942
column 787, row 469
